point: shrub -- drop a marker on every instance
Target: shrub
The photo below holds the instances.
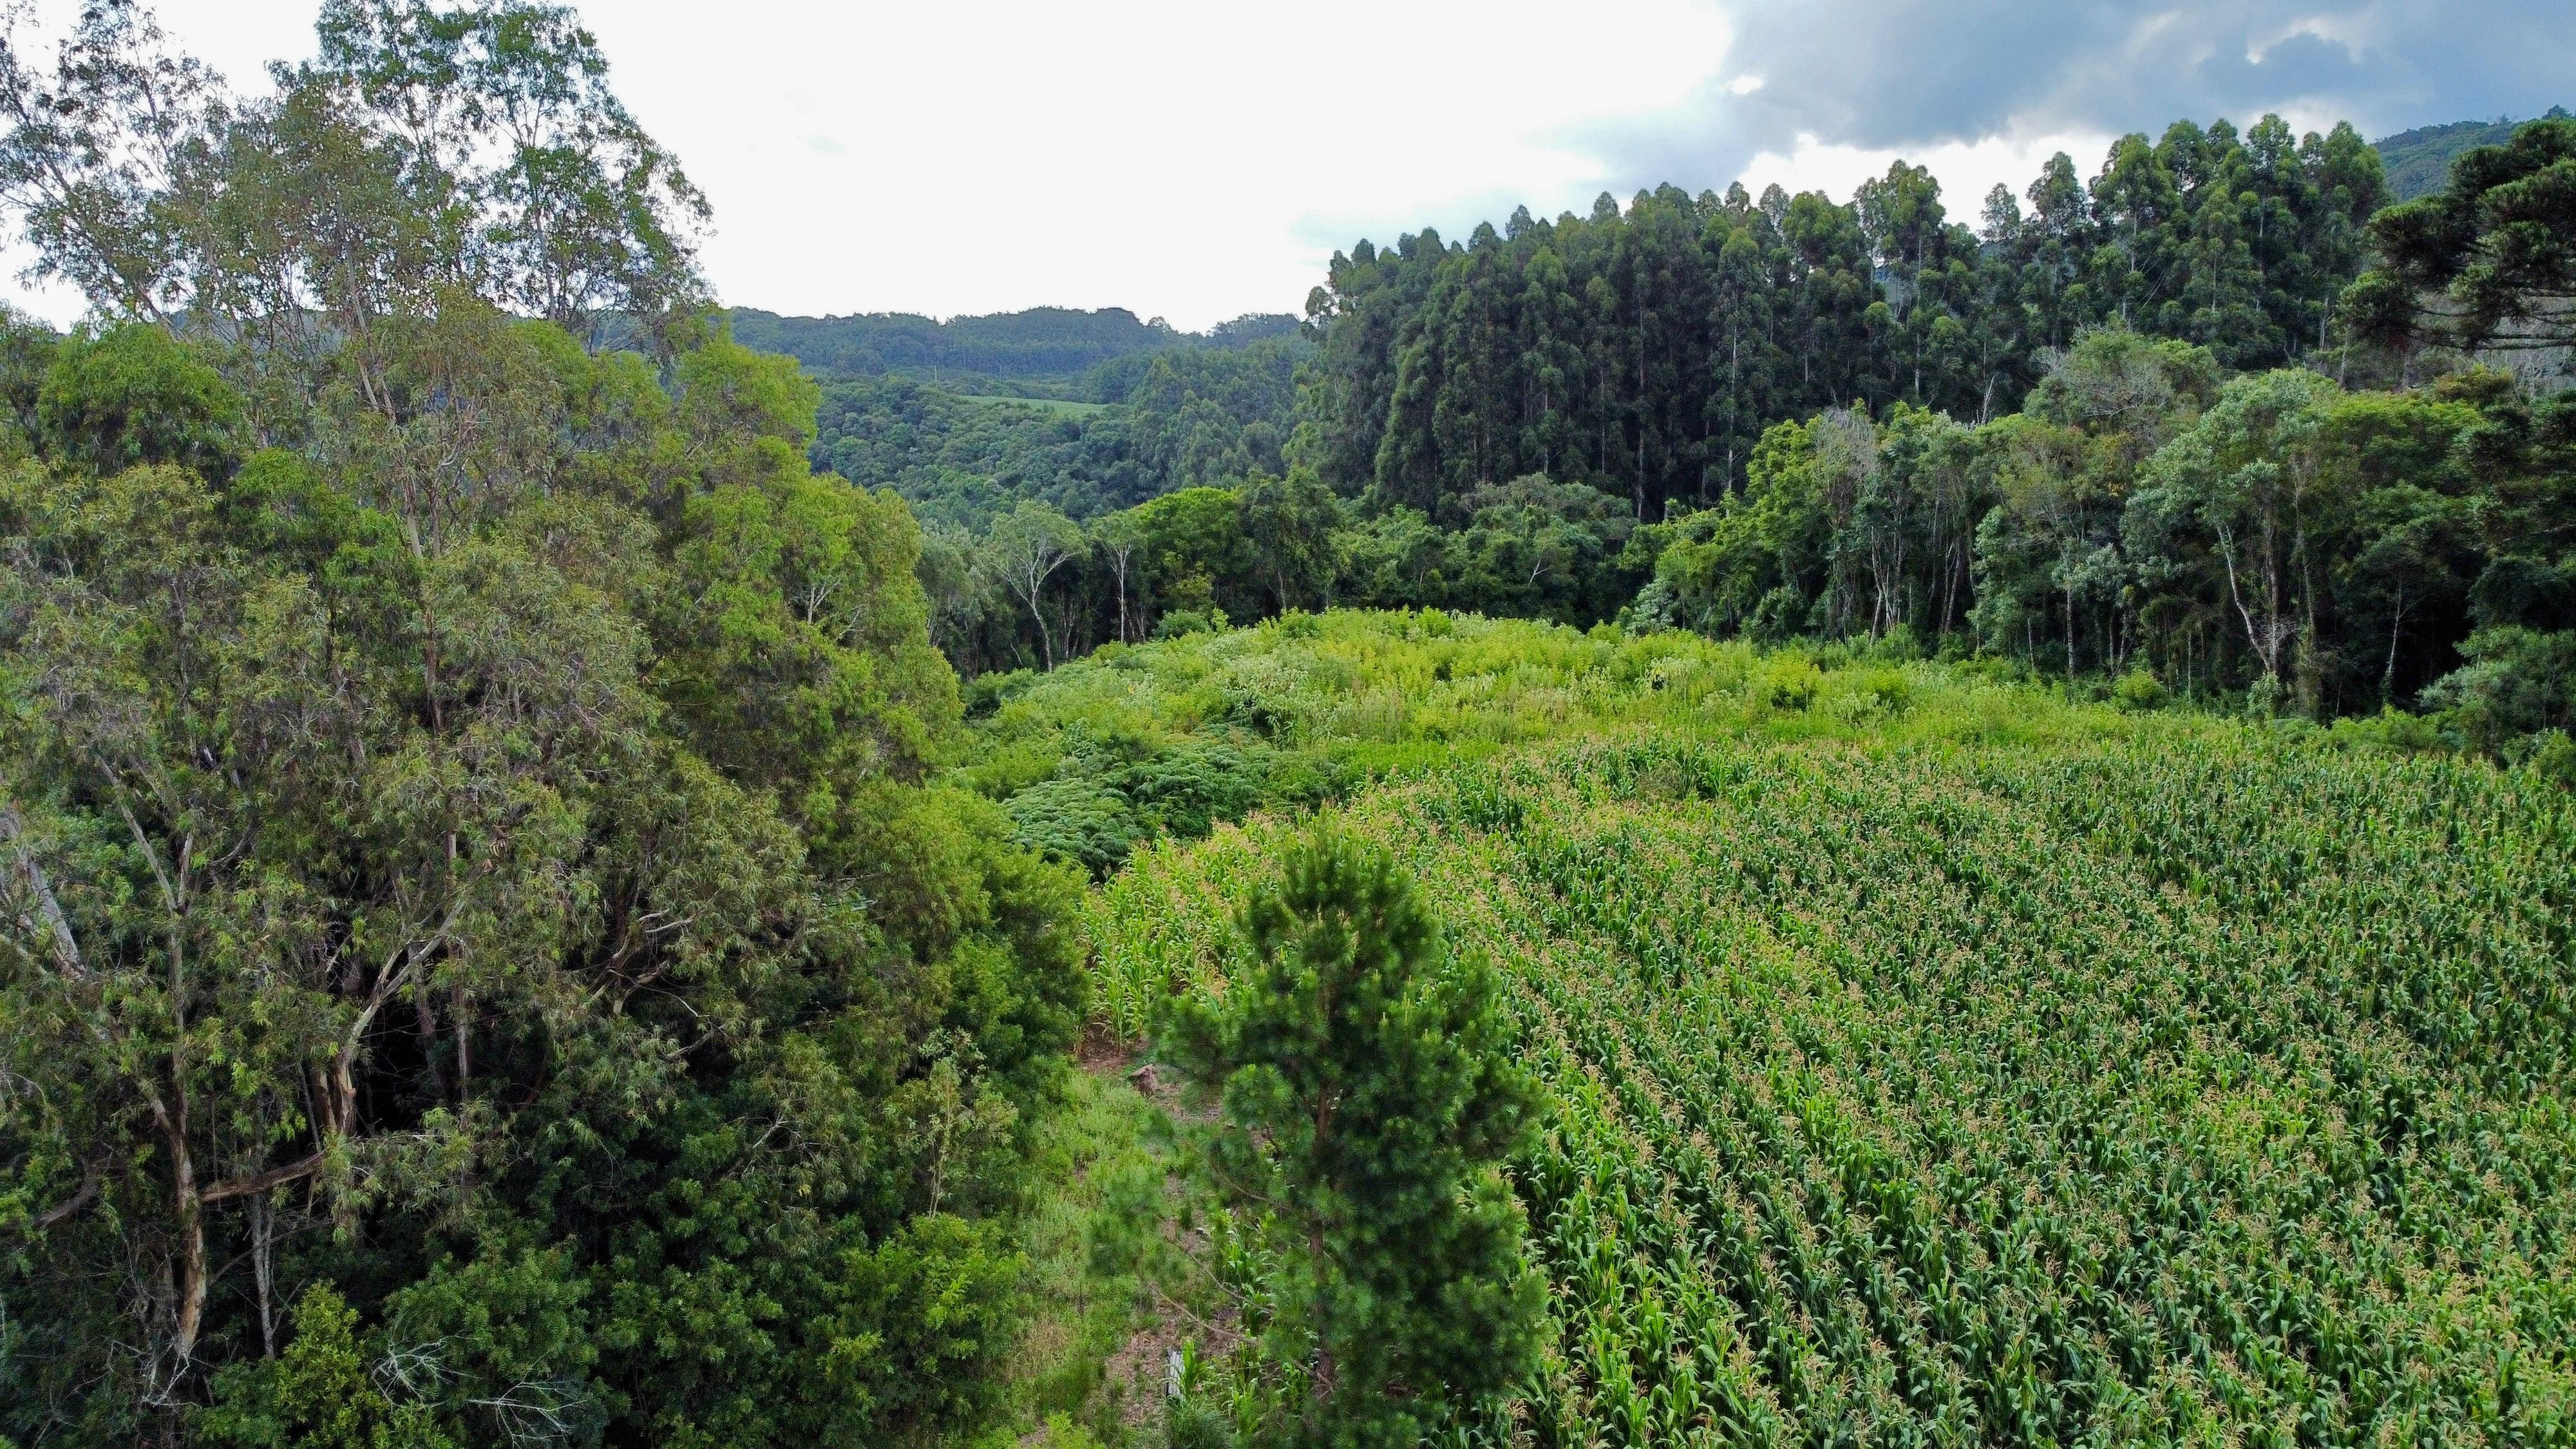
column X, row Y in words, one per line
column 1899, row 645
column 2139, row 690
column 2390, row 732
column 1888, row 691
column 1183, row 622
column 1786, row 682
column 1079, row 820
column 986, row 693
column 2555, row 760
column 2517, row 682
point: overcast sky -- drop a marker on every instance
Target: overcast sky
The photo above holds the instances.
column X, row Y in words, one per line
column 1199, row 159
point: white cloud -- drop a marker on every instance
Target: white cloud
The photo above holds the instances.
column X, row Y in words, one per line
column 1966, row 170
column 1199, row 160
column 1178, row 158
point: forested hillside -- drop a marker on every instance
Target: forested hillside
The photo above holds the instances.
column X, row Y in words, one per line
column 1136, row 428
column 1050, row 347
column 1762, row 419
column 1645, row 349
column 1641, row 352
column 2418, row 162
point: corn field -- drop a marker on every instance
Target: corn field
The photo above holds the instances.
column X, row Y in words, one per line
column 2214, row 1090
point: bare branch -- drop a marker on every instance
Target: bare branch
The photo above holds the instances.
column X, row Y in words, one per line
column 262, row 1181
column 70, row 1206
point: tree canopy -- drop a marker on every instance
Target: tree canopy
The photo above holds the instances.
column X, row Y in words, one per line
column 485, row 949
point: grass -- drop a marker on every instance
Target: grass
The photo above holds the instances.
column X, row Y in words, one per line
column 1067, row 1377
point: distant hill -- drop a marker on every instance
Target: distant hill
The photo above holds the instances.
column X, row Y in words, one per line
column 2419, row 161
column 1052, row 344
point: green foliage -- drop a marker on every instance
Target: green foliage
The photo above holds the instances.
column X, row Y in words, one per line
column 1193, row 556
column 2393, row 732
column 1520, row 425
column 2517, row 682
column 2320, row 550
column 2555, row 759
column 2140, row 690
column 2484, row 262
column 1181, row 623
column 1288, row 524
column 1369, row 1096
column 1645, row 349
column 134, row 396
column 475, row 865
column 542, row 882
column 1901, row 1071
column 1786, row 682
column 320, row 1393
column 1040, row 345
column 423, row 154
column 2418, row 162
column 1193, row 416
column 960, row 462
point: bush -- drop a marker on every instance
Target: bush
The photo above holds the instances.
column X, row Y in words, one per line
column 1082, row 821
column 2265, row 696
column 1195, row 1425
column 1786, row 682
column 2390, row 732
column 2555, row 760
column 1651, row 612
column 986, row 693
column 2139, row 690
column 1899, row 645
column 1188, row 788
column 1888, row 691
column 2517, row 682
column 1183, row 622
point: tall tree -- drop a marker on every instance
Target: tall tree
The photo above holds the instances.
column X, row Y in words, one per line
column 2485, row 262
column 1369, row 1100
column 468, row 836
column 1025, row 549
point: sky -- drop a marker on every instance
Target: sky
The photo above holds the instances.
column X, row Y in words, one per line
column 1198, row 161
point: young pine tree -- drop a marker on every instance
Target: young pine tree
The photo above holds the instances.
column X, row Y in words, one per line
column 1369, row 1099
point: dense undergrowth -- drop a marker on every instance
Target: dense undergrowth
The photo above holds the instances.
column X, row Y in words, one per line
column 1930, row 1058
column 1134, row 744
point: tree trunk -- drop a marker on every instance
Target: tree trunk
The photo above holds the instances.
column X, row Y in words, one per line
column 2388, row 674
column 67, row 956
column 260, row 1237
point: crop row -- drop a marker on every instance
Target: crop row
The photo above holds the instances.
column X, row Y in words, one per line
column 1941, row 1096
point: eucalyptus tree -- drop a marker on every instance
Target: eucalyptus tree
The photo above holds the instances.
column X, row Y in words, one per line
column 471, row 855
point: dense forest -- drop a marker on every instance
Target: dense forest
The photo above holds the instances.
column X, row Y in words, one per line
column 1141, row 426
column 490, row 955
column 2156, row 421
column 1042, row 351
column 1735, row 820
